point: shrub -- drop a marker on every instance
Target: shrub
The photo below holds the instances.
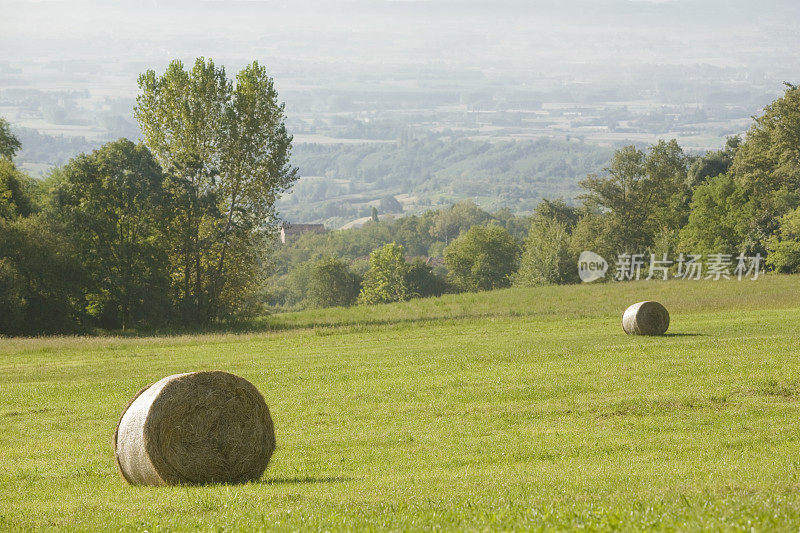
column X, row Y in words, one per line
column 546, row 258
column 720, row 218
column 332, row 284
column 40, row 280
column 385, row 281
column 784, row 248
column 483, row 258
column 423, row 282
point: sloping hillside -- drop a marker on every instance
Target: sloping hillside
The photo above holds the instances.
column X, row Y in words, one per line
column 348, row 180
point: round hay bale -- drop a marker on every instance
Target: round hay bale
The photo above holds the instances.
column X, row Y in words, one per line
column 194, row 428
column 645, row 318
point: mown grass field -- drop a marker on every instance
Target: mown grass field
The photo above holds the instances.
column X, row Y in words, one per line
column 517, row 409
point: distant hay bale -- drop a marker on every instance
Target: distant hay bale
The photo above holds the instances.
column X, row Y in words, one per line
column 194, row 428
column 645, row 318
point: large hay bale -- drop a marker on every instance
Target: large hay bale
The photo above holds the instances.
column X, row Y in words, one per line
column 645, row 318
column 198, row 427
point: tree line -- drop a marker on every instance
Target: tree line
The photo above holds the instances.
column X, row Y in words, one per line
column 170, row 231
column 656, row 202
column 180, row 228
column 742, row 199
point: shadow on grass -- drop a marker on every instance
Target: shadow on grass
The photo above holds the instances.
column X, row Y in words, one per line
column 304, row 480
column 322, row 327
column 327, row 327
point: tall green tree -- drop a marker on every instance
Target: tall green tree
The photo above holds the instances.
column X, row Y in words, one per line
column 40, row 280
column 15, row 191
column 596, row 232
column 667, row 168
column 624, row 193
column 767, row 164
column 225, row 150
column 482, row 259
column 559, row 211
column 721, row 219
column 643, row 194
column 15, row 187
column 386, row 279
column 110, row 205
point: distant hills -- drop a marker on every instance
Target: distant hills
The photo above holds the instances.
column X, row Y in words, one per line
column 343, row 182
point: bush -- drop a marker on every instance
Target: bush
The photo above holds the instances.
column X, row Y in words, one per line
column 40, row 281
column 110, row 205
column 423, row 282
column 784, row 248
column 385, row 281
column 290, row 290
column 481, row 259
column 332, row 284
column 546, row 258
column 720, row 219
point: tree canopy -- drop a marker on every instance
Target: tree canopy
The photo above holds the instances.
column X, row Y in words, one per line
column 225, row 151
column 386, row 279
column 110, row 204
column 767, row 164
column 9, row 144
column 482, row 259
column 178, row 229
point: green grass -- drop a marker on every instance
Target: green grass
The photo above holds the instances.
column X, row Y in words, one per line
column 518, row 409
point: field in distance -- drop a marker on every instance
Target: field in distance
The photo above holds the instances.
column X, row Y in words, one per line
column 513, row 409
